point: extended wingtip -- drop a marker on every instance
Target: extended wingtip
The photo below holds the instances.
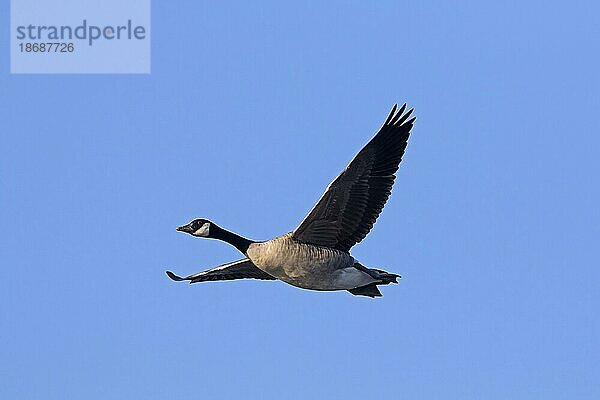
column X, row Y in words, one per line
column 174, row 277
column 399, row 117
column 392, row 113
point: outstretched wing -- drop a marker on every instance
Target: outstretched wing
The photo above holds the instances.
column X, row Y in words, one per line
column 352, row 202
column 240, row 269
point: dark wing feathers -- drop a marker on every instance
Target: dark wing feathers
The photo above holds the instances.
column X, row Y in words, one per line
column 352, row 202
column 241, row 269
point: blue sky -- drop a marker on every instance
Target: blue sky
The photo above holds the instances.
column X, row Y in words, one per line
column 249, row 112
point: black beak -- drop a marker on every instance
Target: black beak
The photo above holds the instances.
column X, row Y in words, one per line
column 184, row 228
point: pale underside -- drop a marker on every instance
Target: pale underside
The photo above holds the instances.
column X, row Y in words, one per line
column 307, row 266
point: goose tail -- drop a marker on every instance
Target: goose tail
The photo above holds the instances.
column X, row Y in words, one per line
column 371, row 290
column 386, row 277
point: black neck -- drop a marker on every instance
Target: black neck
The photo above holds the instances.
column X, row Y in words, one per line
column 233, row 239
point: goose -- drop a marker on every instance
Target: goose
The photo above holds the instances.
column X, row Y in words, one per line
column 316, row 255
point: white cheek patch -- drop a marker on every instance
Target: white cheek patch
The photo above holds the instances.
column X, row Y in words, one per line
column 203, row 230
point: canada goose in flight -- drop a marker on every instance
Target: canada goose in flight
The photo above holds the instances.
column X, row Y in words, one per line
column 316, row 254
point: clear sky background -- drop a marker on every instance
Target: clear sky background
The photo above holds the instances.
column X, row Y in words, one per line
column 249, row 112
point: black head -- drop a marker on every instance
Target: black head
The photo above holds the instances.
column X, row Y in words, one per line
column 199, row 227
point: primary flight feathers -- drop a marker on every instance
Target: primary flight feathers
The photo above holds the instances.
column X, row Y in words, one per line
column 240, row 269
